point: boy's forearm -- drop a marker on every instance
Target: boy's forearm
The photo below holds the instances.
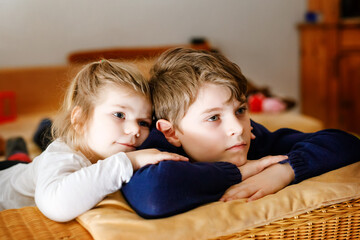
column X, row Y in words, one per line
column 310, row 154
column 269, row 181
column 286, row 172
column 170, row 187
column 325, row 151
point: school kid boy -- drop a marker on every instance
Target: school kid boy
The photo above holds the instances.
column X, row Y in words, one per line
column 199, row 99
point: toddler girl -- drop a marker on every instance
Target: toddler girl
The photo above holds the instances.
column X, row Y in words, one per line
column 105, row 115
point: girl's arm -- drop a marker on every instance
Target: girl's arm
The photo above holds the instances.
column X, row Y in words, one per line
column 67, row 185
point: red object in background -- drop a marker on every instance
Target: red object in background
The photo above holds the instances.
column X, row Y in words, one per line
column 255, row 102
column 7, row 106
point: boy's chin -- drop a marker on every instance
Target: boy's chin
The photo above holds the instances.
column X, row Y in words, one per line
column 237, row 162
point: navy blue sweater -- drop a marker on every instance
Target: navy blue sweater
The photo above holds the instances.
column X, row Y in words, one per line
column 173, row 187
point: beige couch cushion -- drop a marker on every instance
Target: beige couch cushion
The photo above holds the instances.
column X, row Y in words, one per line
column 114, row 219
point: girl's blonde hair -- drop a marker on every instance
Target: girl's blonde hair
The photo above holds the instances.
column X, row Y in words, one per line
column 84, row 91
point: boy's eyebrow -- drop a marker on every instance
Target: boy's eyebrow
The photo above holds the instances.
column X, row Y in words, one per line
column 242, row 101
column 209, row 110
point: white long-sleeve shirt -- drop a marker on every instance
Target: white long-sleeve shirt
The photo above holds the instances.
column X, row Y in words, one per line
column 61, row 182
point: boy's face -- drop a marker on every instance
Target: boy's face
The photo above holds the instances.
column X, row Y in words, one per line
column 120, row 121
column 215, row 129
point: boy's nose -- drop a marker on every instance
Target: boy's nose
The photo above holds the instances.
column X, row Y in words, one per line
column 234, row 127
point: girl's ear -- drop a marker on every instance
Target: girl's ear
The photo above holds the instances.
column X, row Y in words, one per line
column 75, row 118
column 168, row 130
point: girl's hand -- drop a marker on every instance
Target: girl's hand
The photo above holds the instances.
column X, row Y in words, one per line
column 144, row 157
column 269, row 181
column 253, row 167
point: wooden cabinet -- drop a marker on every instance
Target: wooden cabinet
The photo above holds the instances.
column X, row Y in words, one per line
column 349, row 92
column 330, row 70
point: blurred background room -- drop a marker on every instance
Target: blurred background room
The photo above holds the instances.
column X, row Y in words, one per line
column 292, row 51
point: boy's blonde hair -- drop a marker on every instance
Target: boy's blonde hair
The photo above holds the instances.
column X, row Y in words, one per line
column 84, row 91
column 178, row 75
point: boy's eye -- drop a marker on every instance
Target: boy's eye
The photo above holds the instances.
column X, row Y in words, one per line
column 241, row 111
column 213, row 118
column 144, row 124
column 119, row 115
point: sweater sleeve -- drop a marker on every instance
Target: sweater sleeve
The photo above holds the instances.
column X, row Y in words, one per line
column 173, row 187
column 310, row 154
column 323, row 151
column 68, row 185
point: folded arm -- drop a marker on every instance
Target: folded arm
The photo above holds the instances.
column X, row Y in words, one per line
column 310, row 154
column 170, row 187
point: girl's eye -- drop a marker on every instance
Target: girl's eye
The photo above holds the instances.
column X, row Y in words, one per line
column 213, row 118
column 241, row 111
column 144, row 124
column 119, row 115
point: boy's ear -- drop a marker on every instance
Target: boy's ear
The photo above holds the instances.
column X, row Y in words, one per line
column 168, row 130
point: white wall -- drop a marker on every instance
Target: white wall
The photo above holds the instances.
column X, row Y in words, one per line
column 259, row 35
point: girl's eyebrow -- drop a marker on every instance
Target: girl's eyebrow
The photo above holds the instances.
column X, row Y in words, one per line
column 131, row 109
column 146, row 119
column 121, row 106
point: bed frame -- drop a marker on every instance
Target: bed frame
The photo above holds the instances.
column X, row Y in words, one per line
column 337, row 221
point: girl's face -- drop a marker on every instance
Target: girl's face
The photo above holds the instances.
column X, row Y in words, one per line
column 120, row 122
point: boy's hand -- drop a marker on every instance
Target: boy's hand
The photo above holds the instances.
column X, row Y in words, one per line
column 144, row 157
column 253, row 167
column 264, row 183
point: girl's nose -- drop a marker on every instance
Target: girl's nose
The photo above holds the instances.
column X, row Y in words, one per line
column 132, row 128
